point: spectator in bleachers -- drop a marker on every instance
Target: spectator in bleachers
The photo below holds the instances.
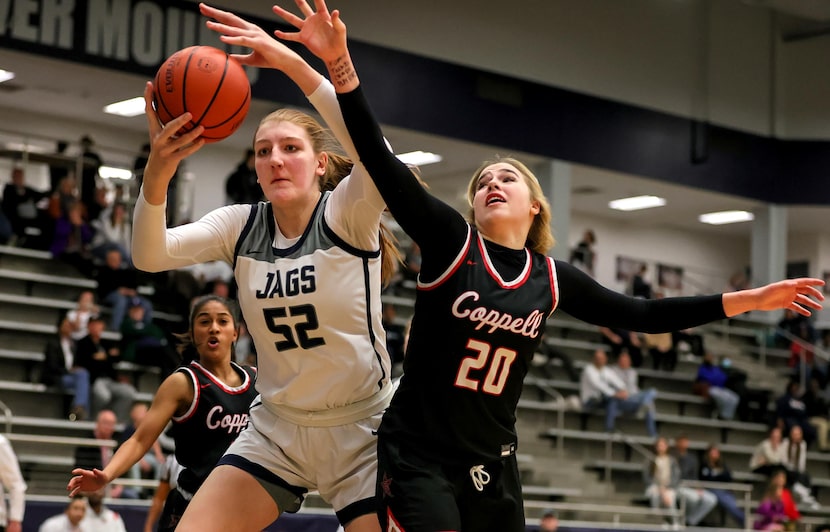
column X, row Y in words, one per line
column 242, row 185
column 714, row 469
column 13, row 486
column 601, row 388
column 661, row 348
column 149, row 466
column 97, row 457
column 583, row 255
column 89, row 175
column 61, row 368
column 20, row 205
column 109, row 390
column 699, row 502
column 637, row 400
column 777, row 510
column 73, row 238
column 112, row 230
column 754, row 402
column 63, row 198
column 618, row 339
column 549, row 522
column 639, row 286
column 661, row 475
column 791, row 410
column 688, row 341
column 118, row 288
column 710, row 383
column 796, row 463
column 817, row 412
column 99, row 518
column 769, row 456
column 245, row 351
column 146, row 343
column 79, row 316
column 69, row 520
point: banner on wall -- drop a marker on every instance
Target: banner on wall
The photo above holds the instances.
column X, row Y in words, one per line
column 126, row 35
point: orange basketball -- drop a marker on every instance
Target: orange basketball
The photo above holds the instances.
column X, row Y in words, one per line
column 209, row 84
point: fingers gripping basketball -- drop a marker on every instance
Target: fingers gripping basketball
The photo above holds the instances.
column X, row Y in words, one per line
column 207, row 83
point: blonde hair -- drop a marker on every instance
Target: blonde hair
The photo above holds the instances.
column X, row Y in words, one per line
column 539, row 237
column 338, row 167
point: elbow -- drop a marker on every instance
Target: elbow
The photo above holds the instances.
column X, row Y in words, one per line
column 146, row 262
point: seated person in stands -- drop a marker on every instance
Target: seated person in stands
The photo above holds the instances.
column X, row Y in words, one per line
column 146, row 343
column 769, row 456
column 754, row 402
column 711, row 383
column 791, row 410
column 149, row 466
column 661, row 475
column 118, row 288
column 112, row 230
column 29, row 223
column 69, row 520
column 79, row 316
column 693, row 340
column 698, row 502
column 600, row 387
column 798, row 479
column 97, row 457
column 714, row 469
column 644, row 398
column 662, row 351
column 98, row 357
column 777, row 510
column 60, row 368
column 619, row 339
column 72, row 239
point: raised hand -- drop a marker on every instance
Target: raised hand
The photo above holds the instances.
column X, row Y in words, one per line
column 323, row 33
column 266, row 52
column 86, row 481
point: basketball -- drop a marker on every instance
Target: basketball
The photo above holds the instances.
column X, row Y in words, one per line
column 209, row 84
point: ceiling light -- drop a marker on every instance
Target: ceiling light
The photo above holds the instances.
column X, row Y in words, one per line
column 111, row 172
column 726, row 217
column 636, row 203
column 131, row 107
column 419, row 158
column 5, row 75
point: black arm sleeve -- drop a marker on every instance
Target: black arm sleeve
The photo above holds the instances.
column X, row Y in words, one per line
column 585, row 299
column 439, row 230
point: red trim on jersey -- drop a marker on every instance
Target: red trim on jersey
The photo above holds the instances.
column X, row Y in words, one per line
column 554, row 284
column 393, row 525
column 524, row 275
column 459, row 260
column 242, row 388
column 194, row 405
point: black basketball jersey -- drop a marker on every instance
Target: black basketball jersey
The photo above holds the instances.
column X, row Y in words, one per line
column 473, row 336
column 215, row 418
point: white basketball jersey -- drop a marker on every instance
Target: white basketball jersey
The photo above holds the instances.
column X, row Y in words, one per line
column 314, row 312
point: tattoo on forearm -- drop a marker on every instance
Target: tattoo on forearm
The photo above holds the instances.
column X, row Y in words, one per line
column 342, row 71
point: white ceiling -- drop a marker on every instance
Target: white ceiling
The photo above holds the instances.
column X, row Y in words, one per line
column 73, row 92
